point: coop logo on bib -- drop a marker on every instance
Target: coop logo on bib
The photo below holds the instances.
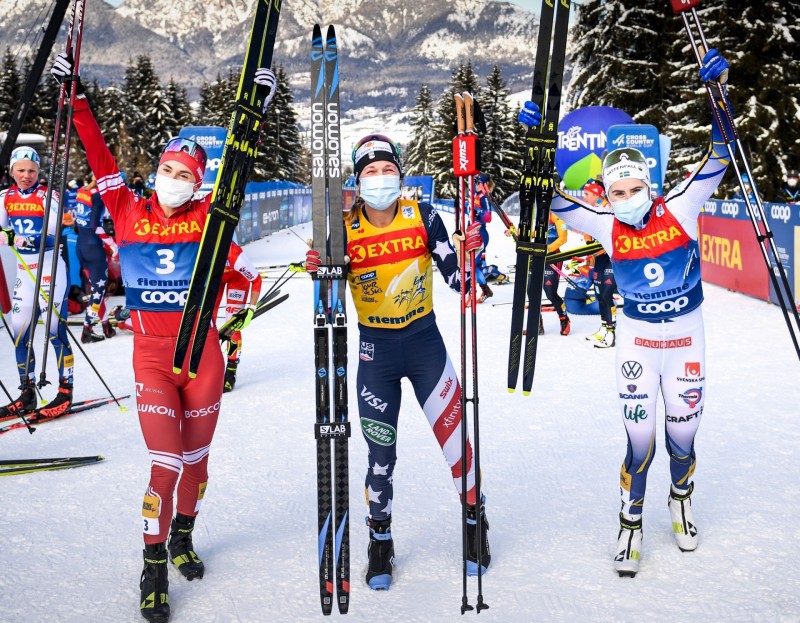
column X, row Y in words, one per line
column 380, row 433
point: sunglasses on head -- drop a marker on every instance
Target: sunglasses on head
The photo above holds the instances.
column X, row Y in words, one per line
column 193, row 148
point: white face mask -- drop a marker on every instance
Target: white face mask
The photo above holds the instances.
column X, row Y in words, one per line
column 173, row 193
column 633, row 210
column 380, row 191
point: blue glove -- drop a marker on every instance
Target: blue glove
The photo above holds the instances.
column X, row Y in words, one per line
column 530, row 115
column 715, row 67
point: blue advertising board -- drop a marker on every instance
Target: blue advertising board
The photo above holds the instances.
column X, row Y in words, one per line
column 212, row 139
column 647, row 140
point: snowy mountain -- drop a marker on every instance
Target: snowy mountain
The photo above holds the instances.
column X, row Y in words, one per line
column 385, row 54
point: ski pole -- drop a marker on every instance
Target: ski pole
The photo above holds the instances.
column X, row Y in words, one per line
column 459, row 152
column 723, row 114
column 69, row 331
column 470, row 110
column 74, row 38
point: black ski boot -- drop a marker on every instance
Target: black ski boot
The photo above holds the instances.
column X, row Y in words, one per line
column 380, row 553
column 155, row 585
column 473, row 525
column 108, row 330
column 90, row 336
column 181, row 550
column 25, row 403
column 230, row 376
column 60, row 404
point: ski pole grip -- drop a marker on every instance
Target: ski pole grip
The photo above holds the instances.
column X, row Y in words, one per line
column 679, row 6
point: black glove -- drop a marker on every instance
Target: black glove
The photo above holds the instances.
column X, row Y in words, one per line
column 62, row 70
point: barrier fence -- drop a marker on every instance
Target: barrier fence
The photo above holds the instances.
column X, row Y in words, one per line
column 731, row 256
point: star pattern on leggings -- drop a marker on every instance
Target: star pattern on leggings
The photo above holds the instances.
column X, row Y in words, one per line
column 372, row 495
column 380, row 470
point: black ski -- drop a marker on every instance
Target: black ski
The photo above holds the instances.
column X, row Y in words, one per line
column 46, row 465
column 264, row 304
column 330, row 326
column 536, row 191
column 238, row 157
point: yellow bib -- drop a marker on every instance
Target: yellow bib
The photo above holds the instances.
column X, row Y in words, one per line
column 390, row 269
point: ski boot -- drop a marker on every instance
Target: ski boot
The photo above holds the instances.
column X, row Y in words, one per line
column 91, row 333
column 683, row 524
column 472, row 540
column 181, row 550
column 108, row 330
column 609, row 338
column 25, row 403
column 501, row 279
column 154, row 584
column 60, row 404
column 597, row 335
column 230, row 376
column 564, row 320
column 380, row 554
column 487, row 292
column 629, row 545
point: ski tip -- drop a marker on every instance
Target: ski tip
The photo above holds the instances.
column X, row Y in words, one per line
column 511, row 390
column 526, row 392
column 331, row 34
column 176, row 370
column 192, row 375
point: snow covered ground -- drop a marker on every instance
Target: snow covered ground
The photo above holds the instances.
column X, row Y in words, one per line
column 72, row 541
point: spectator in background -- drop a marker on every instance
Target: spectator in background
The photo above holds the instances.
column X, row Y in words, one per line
column 605, row 337
column 89, row 212
column 70, row 194
column 137, row 183
column 790, row 192
column 748, row 187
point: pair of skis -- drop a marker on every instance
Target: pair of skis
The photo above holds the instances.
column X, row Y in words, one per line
column 15, row 467
column 536, row 191
column 466, row 165
column 331, row 429
column 238, row 156
column 723, row 113
column 8, row 424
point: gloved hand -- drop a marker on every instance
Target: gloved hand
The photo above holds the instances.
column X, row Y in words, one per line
column 62, row 69
column 24, row 242
column 473, row 242
column 715, row 67
column 113, row 247
column 530, row 115
column 6, row 238
column 241, row 319
column 313, row 261
column 266, row 77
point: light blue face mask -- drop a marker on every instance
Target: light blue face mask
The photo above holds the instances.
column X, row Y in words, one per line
column 379, row 191
column 633, row 210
